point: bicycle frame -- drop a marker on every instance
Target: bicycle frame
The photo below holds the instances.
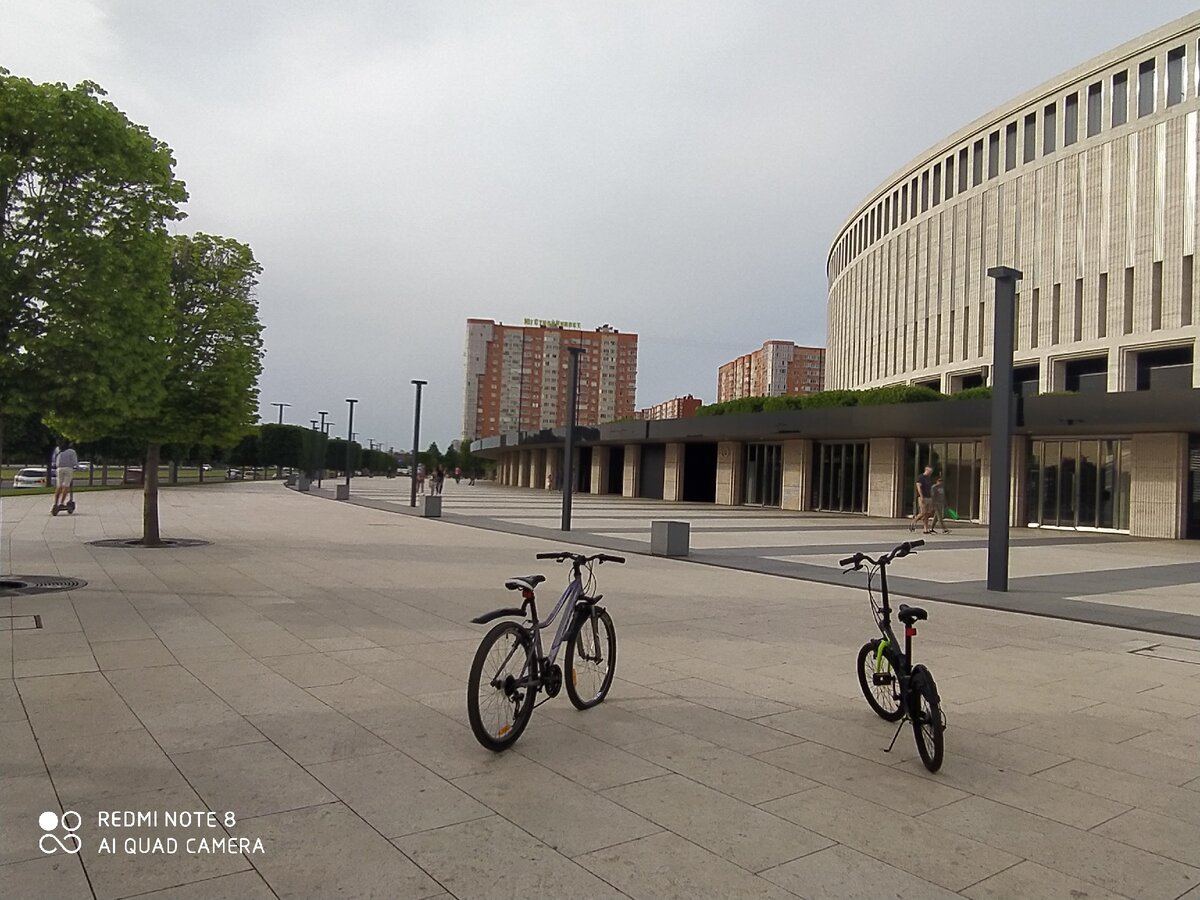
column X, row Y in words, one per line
column 902, row 663
column 573, row 592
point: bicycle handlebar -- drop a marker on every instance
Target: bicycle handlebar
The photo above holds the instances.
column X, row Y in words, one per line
column 897, row 552
column 579, row 558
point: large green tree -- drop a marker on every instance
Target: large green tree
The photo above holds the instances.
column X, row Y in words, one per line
column 85, row 195
column 211, row 358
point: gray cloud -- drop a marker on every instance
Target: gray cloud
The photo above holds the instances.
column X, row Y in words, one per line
column 675, row 169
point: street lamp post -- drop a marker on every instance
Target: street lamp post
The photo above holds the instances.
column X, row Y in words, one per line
column 281, row 406
column 324, row 431
column 350, row 442
column 1002, row 426
column 416, row 441
column 569, row 449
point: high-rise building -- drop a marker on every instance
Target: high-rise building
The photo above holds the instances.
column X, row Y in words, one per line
column 516, row 376
column 675, row 408
column 776, row 368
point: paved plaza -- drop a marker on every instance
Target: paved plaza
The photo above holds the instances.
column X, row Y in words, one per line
column 303, row 678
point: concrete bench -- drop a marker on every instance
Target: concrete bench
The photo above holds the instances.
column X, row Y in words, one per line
column 669, row 538
column 342, row 492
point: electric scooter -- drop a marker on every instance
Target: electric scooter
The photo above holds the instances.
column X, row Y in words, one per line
column 69, row 506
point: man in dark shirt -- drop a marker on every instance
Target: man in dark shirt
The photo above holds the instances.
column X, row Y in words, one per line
column 925, row 496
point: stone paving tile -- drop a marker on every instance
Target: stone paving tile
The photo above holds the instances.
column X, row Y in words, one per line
column 868, row 737
column 666, row 867
column 711, row 725
column 1161, row 835
column 240, row 886
column 584, row 759
column 251, row 779
column 1131, row 790
column 1144, row 762
column 444, row 746
column 310, row 669
column 162, row 684
column 567, row 817
column 58, row 877
column 906, row 792
column 19, row 752
column 327, row 851
column 615, row 721
column 133, row 654
column 396, row 795
column 1084, row 855
column 22, row 799
column 1029, row 881
column 74, row 705
column 312, row 737
column 198, row 725
column 491, row 859
column 748, row 779
column 726, row 699
column 999, row 752
column 945, row 856
column 108, row 765
column 59, row 665
column 841, row 873
column 736, row 831
column 11, row 708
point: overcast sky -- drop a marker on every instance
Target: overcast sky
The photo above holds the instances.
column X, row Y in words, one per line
column 676, row 169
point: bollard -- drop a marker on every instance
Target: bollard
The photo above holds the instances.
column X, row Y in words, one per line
column 668, row 538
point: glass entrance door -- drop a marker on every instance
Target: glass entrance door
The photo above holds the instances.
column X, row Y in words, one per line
column 1079, row 484
column 764, row 475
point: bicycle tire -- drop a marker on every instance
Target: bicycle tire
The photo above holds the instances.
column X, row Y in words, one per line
column 928, row 726
column 498, row 700
column 583, row 651
column 884, row 700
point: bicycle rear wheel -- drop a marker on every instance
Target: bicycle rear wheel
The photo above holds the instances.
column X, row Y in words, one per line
column 498, row 706
column 591, row 660
column 929, row 729
column 883, row 697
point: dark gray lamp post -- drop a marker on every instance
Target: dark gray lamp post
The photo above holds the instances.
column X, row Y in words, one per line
column 416, row 441
column 281, row 406
column 325, row 431
column 1000, row 489
column 350, row 442
column 569, row 449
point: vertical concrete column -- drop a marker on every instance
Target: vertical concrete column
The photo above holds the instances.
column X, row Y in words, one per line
column 673, row 472
column 1018, row 483
column 797, row 473
column 729, row 473
column 1158, row 486
column 633, row 470
column 537, row 469
column 526, row 468
column 600, row 457
column 553, row 468
column 886, row 478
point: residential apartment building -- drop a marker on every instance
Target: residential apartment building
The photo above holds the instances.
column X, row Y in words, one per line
column 776, row 368
column 516, row 376
column 675, row 408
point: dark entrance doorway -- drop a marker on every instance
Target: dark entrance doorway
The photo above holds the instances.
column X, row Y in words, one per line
column 1193, row 487
column 700, row 473
column 616, row 470
column 653, row 468
column 583, row 480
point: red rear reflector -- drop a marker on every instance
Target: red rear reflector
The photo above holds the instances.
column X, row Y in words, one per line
column 910, row 631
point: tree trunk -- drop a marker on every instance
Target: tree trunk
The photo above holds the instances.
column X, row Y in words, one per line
column 150, row 535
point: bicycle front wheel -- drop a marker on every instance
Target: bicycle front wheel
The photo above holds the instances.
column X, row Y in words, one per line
column 929, row 730
column 499, row 699
column 591, row 660
column 879, row 683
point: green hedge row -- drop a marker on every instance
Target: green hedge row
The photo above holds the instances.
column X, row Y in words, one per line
column 881, row 396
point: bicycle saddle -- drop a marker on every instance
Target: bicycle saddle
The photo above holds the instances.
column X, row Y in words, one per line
column 524, row 582
column 910, row 614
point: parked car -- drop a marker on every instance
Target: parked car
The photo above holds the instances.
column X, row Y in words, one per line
column 30, row 478
column 233, row 473
column 83, row 466
column 133, row 475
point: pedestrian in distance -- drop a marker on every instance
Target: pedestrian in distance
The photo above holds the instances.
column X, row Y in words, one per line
column 65, row 461
column 439, row 479
column 457, row 474
column 939, row 506
column 924, row 487
column 420, row 476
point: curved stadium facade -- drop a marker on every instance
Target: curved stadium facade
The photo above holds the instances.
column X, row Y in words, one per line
column 1086, row 184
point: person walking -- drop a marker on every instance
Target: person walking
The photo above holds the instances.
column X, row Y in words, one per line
column 924, row 485
column 439, row 479
column 420, row 476
column 65, row 461
column 939, row 506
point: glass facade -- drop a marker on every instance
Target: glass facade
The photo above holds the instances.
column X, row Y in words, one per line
column 763, row 481
column 958, row 462
column 1079, row 483
column 839, row 481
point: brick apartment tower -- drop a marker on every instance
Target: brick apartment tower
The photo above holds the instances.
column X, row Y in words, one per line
column 776, row 368
column 516, row 377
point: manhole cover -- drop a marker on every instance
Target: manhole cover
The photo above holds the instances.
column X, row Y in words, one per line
column 27, row 585
column 135, row 543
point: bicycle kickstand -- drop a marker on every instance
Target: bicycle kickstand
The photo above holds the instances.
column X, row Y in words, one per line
column 899, row 728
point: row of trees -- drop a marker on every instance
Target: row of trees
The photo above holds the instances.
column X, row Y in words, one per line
column 112, row 328
column 294, row 447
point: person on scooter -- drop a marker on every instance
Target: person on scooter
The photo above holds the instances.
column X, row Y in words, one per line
column 65, row 465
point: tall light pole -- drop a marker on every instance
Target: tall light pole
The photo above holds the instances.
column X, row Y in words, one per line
column 1002, row 426
column 350, row 442
column 281, row 406
column 314, row 424
column 416, row 441
column 569, row 449
column 324, row 431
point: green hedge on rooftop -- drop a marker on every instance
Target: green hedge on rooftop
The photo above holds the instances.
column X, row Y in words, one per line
column 881, row 396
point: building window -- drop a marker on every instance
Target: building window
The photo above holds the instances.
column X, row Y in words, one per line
column 1146, row 85
column 1071, row 120
column 903, row 204
column 977, row 163
column 1175, row 76
column 1095, row 109
column 912, row 210
column 1010, row 147
column 1030, row 137
column 993, row 154
column 937, row 183
column 924, row 191
column 949, row 176
column 962, row 170
column 1049, row 129
column 1120, row 99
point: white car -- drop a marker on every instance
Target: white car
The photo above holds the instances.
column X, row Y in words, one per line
column 83, row 466
column 30, row 478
